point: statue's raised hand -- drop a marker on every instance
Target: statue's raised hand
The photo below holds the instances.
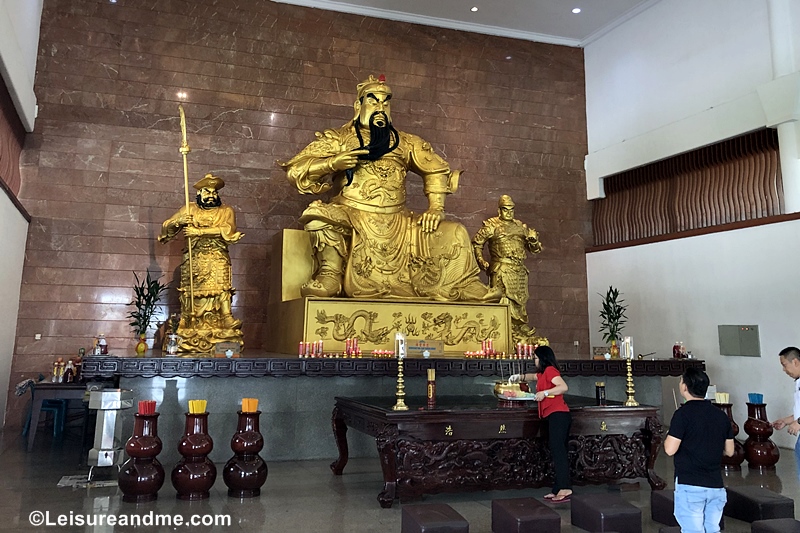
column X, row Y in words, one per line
column 346, row 160
column 192, row 231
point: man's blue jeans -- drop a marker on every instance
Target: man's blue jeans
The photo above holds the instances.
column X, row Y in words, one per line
column 797, row 456
column 699, row 509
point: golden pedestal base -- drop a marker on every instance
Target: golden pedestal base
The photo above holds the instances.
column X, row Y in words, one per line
column 461, row 326
column 291, row 318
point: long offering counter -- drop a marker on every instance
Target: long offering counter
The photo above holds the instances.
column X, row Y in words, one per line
column 96, row 367
column 295, row 412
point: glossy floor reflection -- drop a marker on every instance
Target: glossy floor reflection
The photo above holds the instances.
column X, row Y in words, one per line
column 301, row 496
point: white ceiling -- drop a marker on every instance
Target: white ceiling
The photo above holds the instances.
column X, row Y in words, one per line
column 550, row 21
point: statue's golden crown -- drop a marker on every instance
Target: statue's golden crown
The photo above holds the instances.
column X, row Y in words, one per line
column 373, row 84
column 505, row 201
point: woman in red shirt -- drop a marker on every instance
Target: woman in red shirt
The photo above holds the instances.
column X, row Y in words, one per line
column 550, row 390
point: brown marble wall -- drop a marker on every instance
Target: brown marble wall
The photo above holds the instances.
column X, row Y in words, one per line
column 102, row 169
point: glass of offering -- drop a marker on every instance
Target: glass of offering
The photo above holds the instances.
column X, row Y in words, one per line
column 173, row 342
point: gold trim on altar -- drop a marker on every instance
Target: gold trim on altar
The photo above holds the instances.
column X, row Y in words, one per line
column 460, row 326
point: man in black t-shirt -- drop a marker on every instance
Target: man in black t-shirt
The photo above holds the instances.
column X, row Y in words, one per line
column 698, row 436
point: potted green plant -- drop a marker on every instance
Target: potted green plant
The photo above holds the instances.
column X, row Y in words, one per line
column 612, row 318
column 146, row 294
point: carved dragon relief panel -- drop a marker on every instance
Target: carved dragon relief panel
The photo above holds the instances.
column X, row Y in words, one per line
column 450, row 466
column 460, row 327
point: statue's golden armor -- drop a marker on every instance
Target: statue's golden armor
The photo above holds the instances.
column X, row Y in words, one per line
column 366, row 243
column 509, row 241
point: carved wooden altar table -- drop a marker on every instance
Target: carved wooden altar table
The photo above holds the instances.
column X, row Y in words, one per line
column 479, row 443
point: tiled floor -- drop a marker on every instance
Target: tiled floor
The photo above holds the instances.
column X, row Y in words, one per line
column 298, row 497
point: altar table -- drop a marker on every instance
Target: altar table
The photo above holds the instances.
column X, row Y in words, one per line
column 469, row 443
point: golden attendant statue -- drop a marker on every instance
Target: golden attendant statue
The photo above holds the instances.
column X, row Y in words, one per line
column 509, row 241
column 366, row 243
column 209, row 227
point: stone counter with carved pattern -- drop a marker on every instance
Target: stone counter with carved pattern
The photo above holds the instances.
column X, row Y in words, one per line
column 269, row 365
column 296, row 395
column 479, row 443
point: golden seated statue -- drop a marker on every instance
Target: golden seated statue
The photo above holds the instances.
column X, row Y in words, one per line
column 366, row 243
column 397, row 270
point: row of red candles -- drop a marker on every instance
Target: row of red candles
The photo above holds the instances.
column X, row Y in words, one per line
column 377, row 354
column 351, row 347
column 496, row 355
column 316, row 348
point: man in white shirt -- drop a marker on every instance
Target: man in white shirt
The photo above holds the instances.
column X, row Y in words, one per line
column 790, row 361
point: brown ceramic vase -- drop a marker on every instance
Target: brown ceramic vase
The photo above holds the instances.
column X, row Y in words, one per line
column 760, row 451
column 734, row 462
column 194, row 475
column 246, row 471
column 142, row 475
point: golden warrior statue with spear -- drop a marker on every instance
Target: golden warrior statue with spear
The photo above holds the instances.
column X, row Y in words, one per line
column 206, row 291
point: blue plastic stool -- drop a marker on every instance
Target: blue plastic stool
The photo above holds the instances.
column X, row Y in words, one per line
column 59, row 410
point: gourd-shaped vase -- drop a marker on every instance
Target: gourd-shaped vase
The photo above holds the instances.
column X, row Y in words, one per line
column 142, row 475
column 760, row 451
column 734, row 462
column 246, row 471
column 141, row 346
column 194, row 475
column 614, row 350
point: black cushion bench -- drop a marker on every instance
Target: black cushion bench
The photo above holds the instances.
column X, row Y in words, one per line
column 605, row 513
column 775, row 525
column 524, row 515
column 750, row 503
column 432, row 518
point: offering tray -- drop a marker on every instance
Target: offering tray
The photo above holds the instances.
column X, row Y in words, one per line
column 526, row 398
column 513, row 392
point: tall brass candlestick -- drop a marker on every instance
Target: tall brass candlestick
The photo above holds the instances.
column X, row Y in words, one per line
column 401, row 388
column 631, row 401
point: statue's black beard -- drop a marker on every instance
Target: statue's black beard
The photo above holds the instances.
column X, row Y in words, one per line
column 208, row 204
column 382, row 140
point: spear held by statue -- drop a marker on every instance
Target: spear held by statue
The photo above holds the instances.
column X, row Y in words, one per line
column 184, row 150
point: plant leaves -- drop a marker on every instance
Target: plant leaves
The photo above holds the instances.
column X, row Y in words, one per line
column 612, row 314
column 147, row 293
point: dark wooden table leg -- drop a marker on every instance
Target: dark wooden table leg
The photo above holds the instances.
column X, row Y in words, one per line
column 653, row 430
column 387, row 445
column 340, row 434
column 36, row 408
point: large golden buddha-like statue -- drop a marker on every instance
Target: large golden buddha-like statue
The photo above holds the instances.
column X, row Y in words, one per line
column 365, row 242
